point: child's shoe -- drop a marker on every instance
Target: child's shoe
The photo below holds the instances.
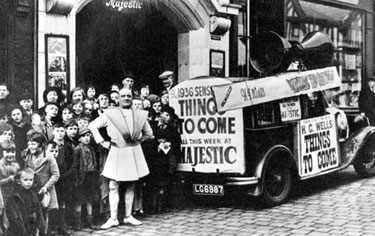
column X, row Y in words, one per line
column 139, row 213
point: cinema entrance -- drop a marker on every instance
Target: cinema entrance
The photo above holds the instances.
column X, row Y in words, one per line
column 97, row 41
column 109, row 43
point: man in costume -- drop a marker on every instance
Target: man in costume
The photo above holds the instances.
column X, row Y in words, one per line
column 125, row 162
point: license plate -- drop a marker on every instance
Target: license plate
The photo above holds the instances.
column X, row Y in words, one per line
column 208, row 189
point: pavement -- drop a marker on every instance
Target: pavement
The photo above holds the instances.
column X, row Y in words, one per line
column 337, row 204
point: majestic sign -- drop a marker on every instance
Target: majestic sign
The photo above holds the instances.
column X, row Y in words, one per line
column 318, row 145
column 283, row 85
column 124, row 4
column 211, row 141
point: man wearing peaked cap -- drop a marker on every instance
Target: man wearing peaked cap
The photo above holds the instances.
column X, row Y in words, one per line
column 83, row 130
column 167, row 78
column 128, row 80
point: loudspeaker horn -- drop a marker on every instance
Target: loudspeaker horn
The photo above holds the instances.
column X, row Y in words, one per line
column 271, row 53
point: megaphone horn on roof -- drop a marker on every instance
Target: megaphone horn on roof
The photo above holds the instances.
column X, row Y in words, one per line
column 269, row 52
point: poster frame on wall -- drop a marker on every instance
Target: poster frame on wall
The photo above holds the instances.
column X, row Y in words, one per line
column 57, row 62
column 217, row 63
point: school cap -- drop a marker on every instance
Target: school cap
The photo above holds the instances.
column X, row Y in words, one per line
column 165, row 74
column 70, row 123
column 52, row 103
column 104, row 94
column 153, row 98
column 167, row 109
column 37, row 137
column 144, row 85
column 5, row 127
column 137, row 97
column 26, row 96
column 128, row 74
column 83, row 130
column 163, row 92
column 113, row 91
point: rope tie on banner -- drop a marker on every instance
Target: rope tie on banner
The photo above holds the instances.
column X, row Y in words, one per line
column 248, row 92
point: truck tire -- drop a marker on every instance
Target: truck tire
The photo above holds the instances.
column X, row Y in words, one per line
column 277, row 181
column 364, row 164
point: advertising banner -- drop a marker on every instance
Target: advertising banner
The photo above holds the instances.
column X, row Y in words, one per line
column 290, row 109
column 211, row 142
column 283, row 85
column 319, row 146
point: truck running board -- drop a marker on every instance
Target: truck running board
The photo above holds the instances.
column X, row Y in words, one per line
column 239, row 181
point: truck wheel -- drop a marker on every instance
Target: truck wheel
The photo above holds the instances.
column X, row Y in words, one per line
column 277, row 182
column 364, row 164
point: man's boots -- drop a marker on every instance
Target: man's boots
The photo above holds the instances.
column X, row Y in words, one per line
column 161, row 203
column 62, row 230
column 77, row 224
column 90, row 222
column 154, row 204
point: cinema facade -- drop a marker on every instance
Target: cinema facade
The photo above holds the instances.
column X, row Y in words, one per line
column 69, row 43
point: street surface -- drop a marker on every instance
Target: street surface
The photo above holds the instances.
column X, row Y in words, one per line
column 338, row 204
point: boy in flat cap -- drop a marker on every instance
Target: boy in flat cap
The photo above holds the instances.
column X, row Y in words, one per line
column 27, row 103
column 87, row 177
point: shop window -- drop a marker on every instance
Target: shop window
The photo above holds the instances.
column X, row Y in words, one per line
column 242, row 41
column 345, row 27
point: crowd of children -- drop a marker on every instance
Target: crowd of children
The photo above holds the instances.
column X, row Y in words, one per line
column 50, row 166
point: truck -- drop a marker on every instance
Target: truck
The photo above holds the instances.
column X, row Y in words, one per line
column 262, row 135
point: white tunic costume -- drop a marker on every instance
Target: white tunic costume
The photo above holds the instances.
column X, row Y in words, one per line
column 127, row 128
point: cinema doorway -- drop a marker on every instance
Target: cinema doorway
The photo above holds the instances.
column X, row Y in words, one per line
column 110, row 42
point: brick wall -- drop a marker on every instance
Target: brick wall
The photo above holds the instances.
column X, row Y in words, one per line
column 3, row 41
column 17, row 45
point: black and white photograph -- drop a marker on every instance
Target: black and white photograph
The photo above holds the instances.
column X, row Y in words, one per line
column 57, row 63
column 187, row 117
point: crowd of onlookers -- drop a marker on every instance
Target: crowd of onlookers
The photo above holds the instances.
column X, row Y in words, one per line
column 50, row 165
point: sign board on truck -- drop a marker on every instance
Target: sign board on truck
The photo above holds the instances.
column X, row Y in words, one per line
column 319, row 146
column 290, row 109
column 283, row 85
column 211, row 142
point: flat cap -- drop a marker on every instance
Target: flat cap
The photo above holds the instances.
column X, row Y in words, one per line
column 129, row 74
column 83, row 130
column 26, row 95
column 168, row 110
column 165, row 74
column 153, row 98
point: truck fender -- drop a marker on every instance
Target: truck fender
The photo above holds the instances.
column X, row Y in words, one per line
column 354, row 144
column 262, row 164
